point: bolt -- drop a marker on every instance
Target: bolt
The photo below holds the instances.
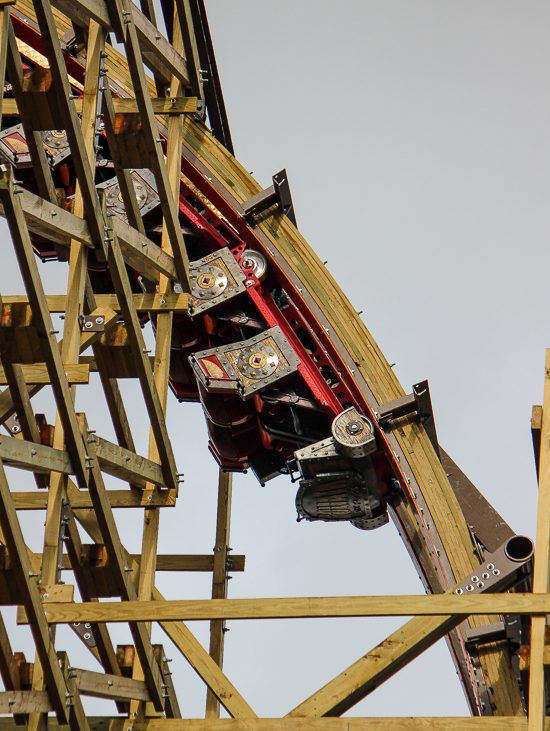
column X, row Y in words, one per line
column 110, row 683
column 33, row 452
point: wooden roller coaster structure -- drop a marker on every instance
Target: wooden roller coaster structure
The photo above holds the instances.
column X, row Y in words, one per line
column 131, row 179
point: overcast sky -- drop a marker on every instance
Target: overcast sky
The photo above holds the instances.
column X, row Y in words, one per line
column 415, row 137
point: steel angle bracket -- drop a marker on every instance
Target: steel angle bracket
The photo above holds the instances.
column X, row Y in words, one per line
column 247, row 367
column 145, row 188
column 278, row 193
column 418, row 401
column 214, row 279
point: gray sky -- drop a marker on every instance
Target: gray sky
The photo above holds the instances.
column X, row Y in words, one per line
column 415, row 139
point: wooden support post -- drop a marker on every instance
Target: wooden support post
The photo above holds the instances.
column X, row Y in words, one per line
column 43, row 322
column 151, row 518
column 219, row 580
column 111, row 539
column 119, row 276
column 75, row 136
column 537, row 702
column 33, row 606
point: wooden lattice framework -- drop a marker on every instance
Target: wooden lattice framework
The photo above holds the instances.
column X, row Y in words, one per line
column 33, row 358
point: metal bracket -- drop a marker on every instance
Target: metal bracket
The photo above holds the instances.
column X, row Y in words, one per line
column 12, row 424
column 84, row 631
column 278, row 193
column 418, row 401
column 476, row 636
column 92, row 323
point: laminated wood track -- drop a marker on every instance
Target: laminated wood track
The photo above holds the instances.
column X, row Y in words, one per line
column 131, row 179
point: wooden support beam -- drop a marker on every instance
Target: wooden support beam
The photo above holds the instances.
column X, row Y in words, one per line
column 206, row 668
column 49, row 220
column 111, row 539
column 43, row 322
column 377, row 666
column 304, row 607
column 121, row 283
column 114, row 460
column 127, row 465
column 66, row 107
column 170, row 211
column 118, row 499
column 219, row 579
column 25, row 701
column 44, row 180
column 173, row 562
column 33, row 605
column 181, row 636
column 142, row 302
column 112, row 687
column 537, row 700
column 397, row 723
column 37, row 373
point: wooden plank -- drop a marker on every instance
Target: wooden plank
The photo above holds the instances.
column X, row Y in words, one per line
column 113, row 687
column 206, row 668
column 127, row 465
column 34, row 457
column 173, row 562
column 302, row 607
column 118, row 499
column 142, row 302
column 33, row 605
column 149, row 37
column 183, row 105
column 219, row 579
column 537, row 700
column 114, row 460
column 44, row 180
column 37, row 373
column 399, row 723
column 141, row 253
column 25, row 701
column 47, row 219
